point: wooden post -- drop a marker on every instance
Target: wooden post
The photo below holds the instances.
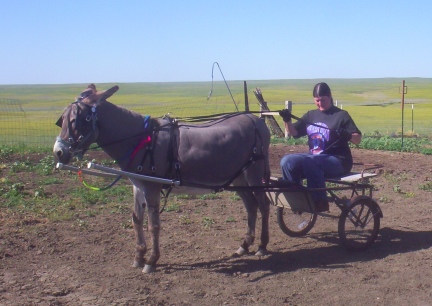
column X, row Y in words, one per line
column 246, row 97
column 412, row 119
column 288, row 106
column 403, row 92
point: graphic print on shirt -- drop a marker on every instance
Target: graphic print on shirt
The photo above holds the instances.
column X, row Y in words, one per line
column 318, row 137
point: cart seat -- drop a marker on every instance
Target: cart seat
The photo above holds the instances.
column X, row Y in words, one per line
column 353, row 177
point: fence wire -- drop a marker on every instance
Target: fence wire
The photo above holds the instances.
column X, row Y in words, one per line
column 23, row 122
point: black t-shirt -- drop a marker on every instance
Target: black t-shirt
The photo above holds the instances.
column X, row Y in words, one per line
column 321, row 129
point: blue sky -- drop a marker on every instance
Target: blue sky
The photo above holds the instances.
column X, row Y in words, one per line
column 83, row 41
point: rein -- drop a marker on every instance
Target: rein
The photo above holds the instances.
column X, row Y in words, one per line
column 81, row 178
column 206, row 118
column 146, row 142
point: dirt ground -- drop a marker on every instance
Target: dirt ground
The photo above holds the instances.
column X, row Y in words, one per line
column 57, row 263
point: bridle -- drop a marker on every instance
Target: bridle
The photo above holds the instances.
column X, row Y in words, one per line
column 77, row 144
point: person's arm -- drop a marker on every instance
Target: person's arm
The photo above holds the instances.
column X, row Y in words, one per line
column 292, row 131
column 356, row 138
column 289, row 126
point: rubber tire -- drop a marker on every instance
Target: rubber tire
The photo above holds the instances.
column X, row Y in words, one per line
column 368, row 211
column 291, row 230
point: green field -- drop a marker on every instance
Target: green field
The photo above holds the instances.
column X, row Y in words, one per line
column 28, row 112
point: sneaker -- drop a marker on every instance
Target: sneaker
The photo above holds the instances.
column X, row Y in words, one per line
column 321, row 206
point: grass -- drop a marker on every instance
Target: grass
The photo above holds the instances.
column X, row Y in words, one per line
column 29, row 192
column 77, row 203
column 28, row 112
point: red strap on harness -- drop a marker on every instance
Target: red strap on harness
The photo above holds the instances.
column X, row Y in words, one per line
column 140, row 146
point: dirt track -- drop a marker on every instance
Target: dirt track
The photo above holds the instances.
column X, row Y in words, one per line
column 45, row 263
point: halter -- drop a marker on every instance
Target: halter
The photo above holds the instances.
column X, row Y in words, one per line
column 76, row 146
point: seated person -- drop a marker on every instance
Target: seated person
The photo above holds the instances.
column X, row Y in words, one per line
column 329, row 129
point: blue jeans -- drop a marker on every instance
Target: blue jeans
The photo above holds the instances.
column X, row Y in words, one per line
column 314, row 168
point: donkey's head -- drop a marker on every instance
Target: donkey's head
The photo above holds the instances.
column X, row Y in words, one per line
column 79, row 126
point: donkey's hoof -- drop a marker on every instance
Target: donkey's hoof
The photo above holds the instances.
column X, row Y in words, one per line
column 240, row 252
column 261, row 252
column 149, row 269
column 138, row 264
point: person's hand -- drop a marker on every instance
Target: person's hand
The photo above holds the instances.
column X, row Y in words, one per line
column 344, row 135
column 285, row 114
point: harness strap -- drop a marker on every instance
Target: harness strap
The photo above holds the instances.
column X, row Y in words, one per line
column 149, row 150
column 144, row 141
column 173, row 152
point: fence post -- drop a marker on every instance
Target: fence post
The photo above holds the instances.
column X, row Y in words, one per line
column 288, row 106
column 403, row 91
column 412, row 118
column 246, row 97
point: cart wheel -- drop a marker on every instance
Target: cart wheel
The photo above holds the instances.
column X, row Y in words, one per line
column 359, row 225
column 294, row 223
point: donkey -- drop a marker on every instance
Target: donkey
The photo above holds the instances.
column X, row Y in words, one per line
column 229, row 151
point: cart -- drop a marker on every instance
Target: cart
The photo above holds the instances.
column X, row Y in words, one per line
column 359, row 221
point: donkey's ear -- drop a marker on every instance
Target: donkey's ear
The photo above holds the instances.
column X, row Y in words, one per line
column 108, row 93
column 59, row 122
column 86, row 94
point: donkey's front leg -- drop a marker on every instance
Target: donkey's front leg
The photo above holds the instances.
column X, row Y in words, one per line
column 264, row 207
column 152, row 196
column 138, row 220
column 251, row 206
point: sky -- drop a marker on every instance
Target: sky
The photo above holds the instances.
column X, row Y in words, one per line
column 94, row 41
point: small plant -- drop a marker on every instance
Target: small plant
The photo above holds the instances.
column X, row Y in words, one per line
column 39, row 193
column 173, row 207
column 234, row 197
column 90, row 213
column 120, row 209
column 210, row 196
column 208, row 222
column 5, row 152
column 22, row 166
column 183, row 196
column 397, row 189
column 426, row 186
column 45, row 165
column 126, row 224
column 230, row 219
column 185, row 220
column 82, row 223
column 16, row 190
column 409, row 194
column 384, row 199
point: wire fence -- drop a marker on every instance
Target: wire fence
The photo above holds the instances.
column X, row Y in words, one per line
column 21, row 126
column 33, row 124
column 23, row 123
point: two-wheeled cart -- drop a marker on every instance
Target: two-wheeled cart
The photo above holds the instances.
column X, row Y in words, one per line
column 359, row 221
